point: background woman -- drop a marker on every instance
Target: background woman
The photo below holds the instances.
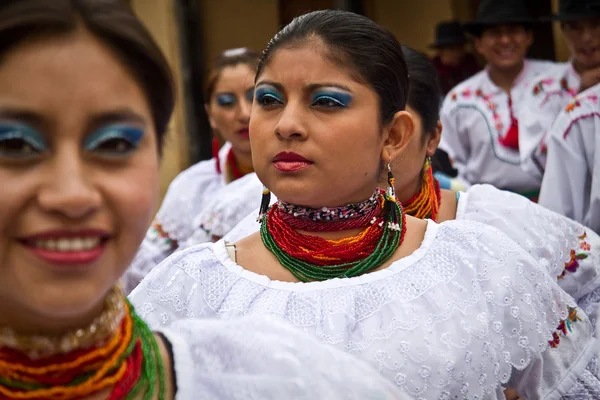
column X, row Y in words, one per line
column 229, row 93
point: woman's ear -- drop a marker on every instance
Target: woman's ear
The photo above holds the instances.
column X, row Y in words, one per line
column 399, row 134
column 434, row 140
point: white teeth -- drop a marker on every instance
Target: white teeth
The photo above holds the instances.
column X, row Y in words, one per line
column 63, row 244
column 69, row 244
column 77, row 244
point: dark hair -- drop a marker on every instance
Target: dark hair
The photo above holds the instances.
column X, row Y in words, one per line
column 228, row 58
column 113, row 22
column 424, row 95
column 371, row 51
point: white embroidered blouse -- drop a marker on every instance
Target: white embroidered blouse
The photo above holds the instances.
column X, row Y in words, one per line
column 549, row 95
column 466, row 314
column 475, row 117
column 571, row 184
column 226, row 209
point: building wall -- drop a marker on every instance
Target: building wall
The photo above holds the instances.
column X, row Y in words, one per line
column 412, row 22
column 562, row 52
column 229, row 24
column 159, row 17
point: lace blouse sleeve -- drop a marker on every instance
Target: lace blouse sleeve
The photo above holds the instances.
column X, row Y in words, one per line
column 263, row 358
column 565, row 248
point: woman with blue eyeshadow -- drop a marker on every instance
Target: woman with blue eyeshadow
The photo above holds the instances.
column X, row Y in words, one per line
column 229, row 94
column 238, row 199
column 79, row 168
column 442, row 311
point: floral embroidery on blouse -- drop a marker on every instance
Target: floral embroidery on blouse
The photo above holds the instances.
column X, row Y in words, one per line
column 577, row 102
column 157, row 234
column 564, row 85
column 573, row 264
column 564, row 327
column 539, row 87
column 493, row 107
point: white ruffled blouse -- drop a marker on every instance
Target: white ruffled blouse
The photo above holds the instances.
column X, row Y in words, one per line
column 262, row 358
column 467, row 314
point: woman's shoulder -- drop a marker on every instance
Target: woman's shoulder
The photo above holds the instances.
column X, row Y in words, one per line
column 215, row 359
column 230, row 205
column 201, row 170
column 565, row 248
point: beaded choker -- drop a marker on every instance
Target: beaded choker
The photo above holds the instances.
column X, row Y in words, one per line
column 426, row 203
column 127, row 360
column 37, row 346
column 330, row 219
column 311, row 258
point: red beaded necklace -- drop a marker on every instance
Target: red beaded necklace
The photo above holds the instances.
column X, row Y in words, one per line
column 426, row 203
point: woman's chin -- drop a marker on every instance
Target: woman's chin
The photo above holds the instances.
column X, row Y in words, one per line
column 68, row 303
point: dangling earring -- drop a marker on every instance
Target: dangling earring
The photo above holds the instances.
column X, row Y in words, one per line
column 391, row 207
column 264, row 204
column 391, row 192
column 427, row 164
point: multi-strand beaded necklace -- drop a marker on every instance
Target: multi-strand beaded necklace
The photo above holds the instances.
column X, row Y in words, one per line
column 125, row 358
column 380, row 219
column 426, row 203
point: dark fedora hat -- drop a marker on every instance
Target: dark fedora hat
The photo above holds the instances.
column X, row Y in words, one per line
column 571, row 10
column 499, row 12
column 448, row 33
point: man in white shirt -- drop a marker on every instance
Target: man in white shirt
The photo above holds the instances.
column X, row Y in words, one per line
column 554, row 89
column 480, row 115
column 571, row 186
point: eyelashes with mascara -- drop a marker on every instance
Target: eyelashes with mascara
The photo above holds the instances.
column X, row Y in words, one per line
column 20, row 141
column 115, row 139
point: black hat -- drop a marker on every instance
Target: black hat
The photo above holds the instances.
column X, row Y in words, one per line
column 499, row 12
column 570, row 10
column 448, row 33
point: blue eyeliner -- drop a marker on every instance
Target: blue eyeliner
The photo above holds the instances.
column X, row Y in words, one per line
column 131, row 134
column 226, row 99
column 15, row 131
column 267, row 93
column 340, row 98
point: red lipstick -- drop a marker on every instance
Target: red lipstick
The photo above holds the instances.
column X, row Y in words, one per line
column 245, row 133
column 62, row 248
column 290, row 162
